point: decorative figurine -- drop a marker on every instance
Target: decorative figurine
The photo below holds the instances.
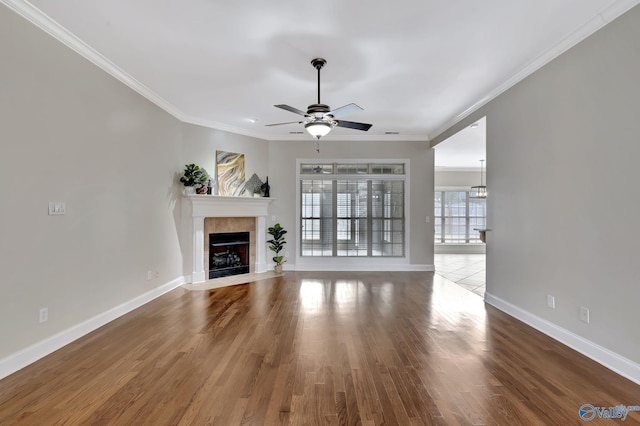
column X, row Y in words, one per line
column 265, row 188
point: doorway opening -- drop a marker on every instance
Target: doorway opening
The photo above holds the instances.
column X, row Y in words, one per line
column 459, row 214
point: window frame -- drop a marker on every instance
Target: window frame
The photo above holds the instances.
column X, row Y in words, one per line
column 305, row 262
column 470, row 238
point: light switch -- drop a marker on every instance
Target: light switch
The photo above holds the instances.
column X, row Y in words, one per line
column 57, row 208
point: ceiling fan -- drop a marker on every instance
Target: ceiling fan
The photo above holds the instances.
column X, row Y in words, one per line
column 319, row 118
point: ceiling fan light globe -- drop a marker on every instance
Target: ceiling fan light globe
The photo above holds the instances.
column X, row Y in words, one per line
column 317, row 129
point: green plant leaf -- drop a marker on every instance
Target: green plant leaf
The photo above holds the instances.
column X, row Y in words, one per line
column 276, row 244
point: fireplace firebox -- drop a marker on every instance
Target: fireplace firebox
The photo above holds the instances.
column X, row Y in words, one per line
column 228, row 254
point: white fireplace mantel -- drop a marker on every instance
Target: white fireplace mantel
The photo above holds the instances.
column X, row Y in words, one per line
column 203, row 206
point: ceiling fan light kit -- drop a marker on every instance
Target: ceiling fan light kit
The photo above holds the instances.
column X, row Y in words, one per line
column 319, row 118
column 317, row 129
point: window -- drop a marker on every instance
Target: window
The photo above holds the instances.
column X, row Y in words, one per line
column 311, row 213
column 353, row 209
column 344, row 216
column 456, row 217
column 386, row 214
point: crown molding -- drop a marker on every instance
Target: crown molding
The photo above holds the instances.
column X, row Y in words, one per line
column 51, row 27
column 618, row 8
column 211, row 124
column 57, row 31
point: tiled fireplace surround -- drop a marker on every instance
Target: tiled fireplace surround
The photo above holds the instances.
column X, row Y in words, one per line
column 211, row 213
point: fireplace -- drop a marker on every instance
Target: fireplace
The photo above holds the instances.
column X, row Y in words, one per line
column 200, row 210
column 228, row 254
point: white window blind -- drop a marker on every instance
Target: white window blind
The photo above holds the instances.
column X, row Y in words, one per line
column 457, row 215
column 361, row 214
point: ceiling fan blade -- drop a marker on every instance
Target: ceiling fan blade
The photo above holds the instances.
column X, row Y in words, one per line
column 291, row 109
column 353, row 125
column 280, row 124
column 345, row 110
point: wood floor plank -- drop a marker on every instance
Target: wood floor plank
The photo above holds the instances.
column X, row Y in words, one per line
column 317, row 348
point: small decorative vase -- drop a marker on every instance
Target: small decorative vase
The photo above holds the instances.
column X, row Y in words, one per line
column 189, row 190
column 277, row 269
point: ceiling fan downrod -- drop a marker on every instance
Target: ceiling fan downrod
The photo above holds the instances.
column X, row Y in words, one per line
column 318, row 63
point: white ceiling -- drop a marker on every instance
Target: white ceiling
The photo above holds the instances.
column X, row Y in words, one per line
column 415, row 66
column 464, row 150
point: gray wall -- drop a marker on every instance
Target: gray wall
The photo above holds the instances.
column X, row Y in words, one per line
column 563, row 206
column 562, row 145
column 70, row 132
column 452, row 178
column 199, row 146
column 282, row 176
column 201, row 143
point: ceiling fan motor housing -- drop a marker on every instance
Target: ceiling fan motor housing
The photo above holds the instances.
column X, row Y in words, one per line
column 314, row 109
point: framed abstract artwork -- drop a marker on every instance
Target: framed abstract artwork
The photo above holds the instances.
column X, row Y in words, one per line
column 230, row 173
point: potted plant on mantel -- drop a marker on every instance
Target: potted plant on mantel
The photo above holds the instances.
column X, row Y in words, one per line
column 276, row 244
column 194, row 178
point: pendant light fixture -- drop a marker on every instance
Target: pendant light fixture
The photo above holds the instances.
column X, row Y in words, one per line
column 479, row 191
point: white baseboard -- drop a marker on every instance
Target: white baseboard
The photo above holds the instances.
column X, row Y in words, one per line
column 358, row 268
column 197, row 277
column 31, row 354
column 614, row 362
column 460, row 249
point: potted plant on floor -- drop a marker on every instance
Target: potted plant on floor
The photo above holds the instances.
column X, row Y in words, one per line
column 193, row 178
column 276, row 244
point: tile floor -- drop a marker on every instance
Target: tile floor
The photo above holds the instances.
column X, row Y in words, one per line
column 466, row 270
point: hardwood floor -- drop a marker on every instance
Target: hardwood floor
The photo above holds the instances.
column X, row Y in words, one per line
column 315, row 348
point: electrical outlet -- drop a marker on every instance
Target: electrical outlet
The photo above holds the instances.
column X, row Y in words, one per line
column 149, row 275
column 44, row 315
column 551, row 301
column 584, row 314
